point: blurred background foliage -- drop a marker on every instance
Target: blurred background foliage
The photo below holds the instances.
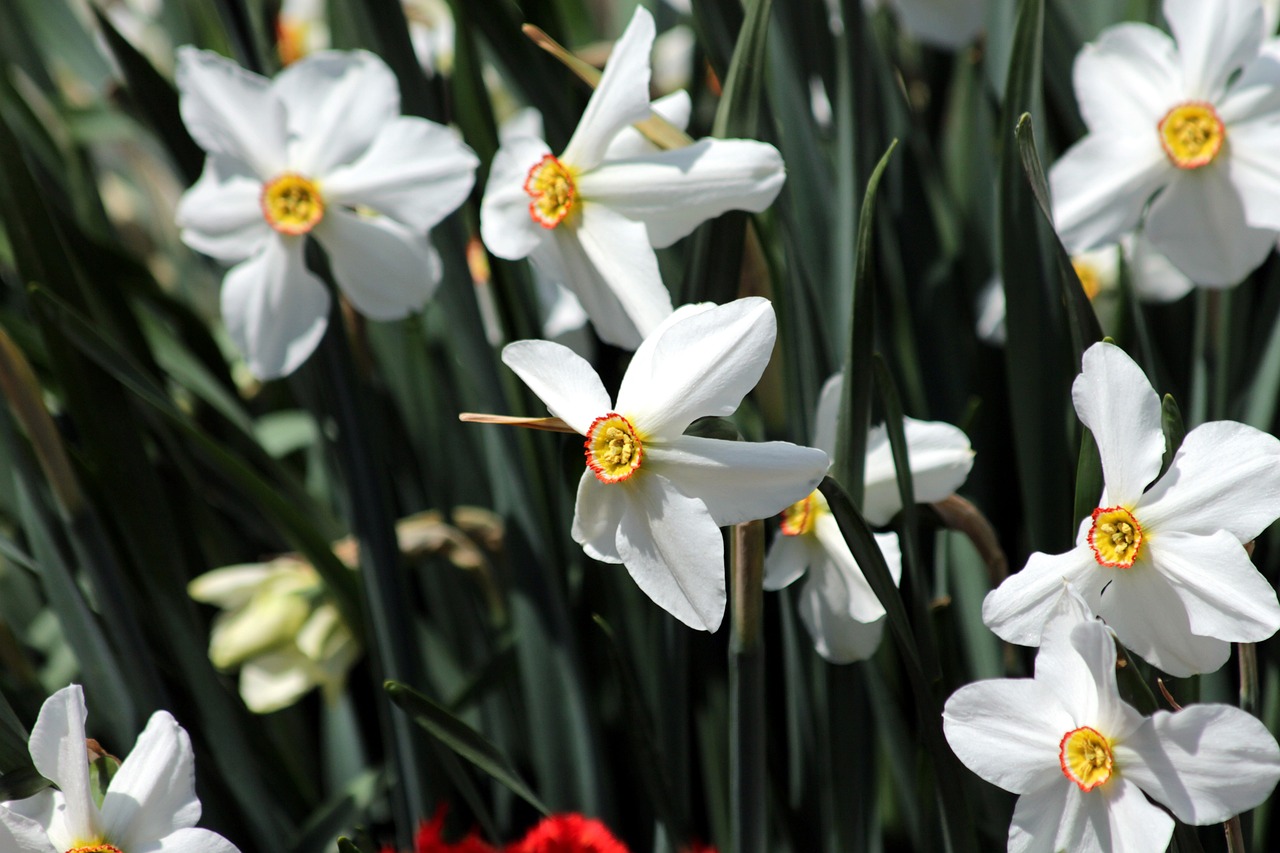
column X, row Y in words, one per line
column 138, row 453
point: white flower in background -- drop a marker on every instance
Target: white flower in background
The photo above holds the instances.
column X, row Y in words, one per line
column 322, row 150
column 1081, row 759
column 150, row 804
column 653, row 498
column 837, row 605
column 1165, row 566
column 1152, row 276
column 280, row 628
column 1197, row 122
column 942, row 23
column 591, row 217
column 302, row 28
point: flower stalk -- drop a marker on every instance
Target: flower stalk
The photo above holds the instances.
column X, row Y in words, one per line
column 746, row 690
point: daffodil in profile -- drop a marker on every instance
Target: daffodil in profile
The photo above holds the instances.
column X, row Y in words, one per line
column 844, row 617
column 1162, row 558
column 1188, row 125
column 591, row 216
column 1083, row 762
column 651, row 497
column 319, row 150
column 149, row 805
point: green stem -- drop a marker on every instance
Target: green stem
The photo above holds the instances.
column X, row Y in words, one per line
column 746, row 691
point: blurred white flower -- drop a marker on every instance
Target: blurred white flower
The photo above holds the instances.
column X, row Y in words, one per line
column 279, row 628
column 591, row 217
column 1081, row 759
column 653, row 498
column 942, row 23
column 1190, row 127
column 302, row 28
column 150, row 803
column 322, row 149
column 1165, row 566
column 844, row 617
column 1152, row 276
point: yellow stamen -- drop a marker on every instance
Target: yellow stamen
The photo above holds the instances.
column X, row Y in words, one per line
column 1086, row 758
column 292, row 204
column 550, row 184
column 1090, row 281
column 98, row 847
column 1116, row 537
column 799, row 518
column 1192, row 134
column 613, row 448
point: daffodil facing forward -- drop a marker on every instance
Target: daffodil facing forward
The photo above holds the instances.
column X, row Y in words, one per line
column 651, row 497
column 149, row 805
column 1081, row 759
column 1189, row 126
column 591, row 216
column 321, row 150
column 844, row 617
column 1162, row 562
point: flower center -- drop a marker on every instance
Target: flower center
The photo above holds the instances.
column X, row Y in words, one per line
column 613, row 448
column 1192, row 134
column 292, row 204
column 550, row 184
column 799, row 518
column 1090, row 281
column 1116, row 537
column 1086, row 758
column 100, row 847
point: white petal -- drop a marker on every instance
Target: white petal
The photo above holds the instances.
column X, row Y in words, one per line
column 940, row 458
column 1115, row 817
column 862, row 602
column 1154, row 277
column 1101, row 185
column 337, row 102
column 674, row 108
column 828, row 415
column 675, row 191
column 388, row 271
column 1018, row 609
column 990, row 324
column 560, row 310
column 274, row 309
column 1007, row 731
column 1116, row 402
column 738, row 480
column 231, row 111
column 195, row 841
column 1225, row 476
column 561, row 261
column 824, row 609
column 621, row 98
column 1037, row 817
column 674, row 552
column 525, row 121
column 1214, row 41
column 597, row 514
column 58, row 751
column 221, row 215
column 1078, row 661
column 1198, row 222
column 507, row 227
column 415, row 171
column 1224, row 594
column 562, row 379
column 945, row 23
column 788, row 558
column 1254, row 172
column 230, row 586
column 153, row 793
column 21, row 834
column 1205, row 762
column 702, row 365
column 1127, row 78
column 618, row 250
column 276, row 680
column 1151, row 621
column 1252, row 97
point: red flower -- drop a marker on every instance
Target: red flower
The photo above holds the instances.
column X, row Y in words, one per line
column 430, row 838
column 568, row 833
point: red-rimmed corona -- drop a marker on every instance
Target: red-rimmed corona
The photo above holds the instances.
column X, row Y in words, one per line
column 799, row 518
column 1192, row 134
column 292, row 203
column 551, row 186
column 1085, row 757
column 613, row 448
column 96, row 848
column 1115, row 537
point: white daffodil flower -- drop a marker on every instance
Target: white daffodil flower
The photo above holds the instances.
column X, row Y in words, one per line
column 1081, row 759
column 591, row 217
column 1190, row 127
column 1165, row 566
column 280, row 628
column 837, row 605
column 323, row 150
column 150, row 803
column 653, row 498
column 942, row 23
